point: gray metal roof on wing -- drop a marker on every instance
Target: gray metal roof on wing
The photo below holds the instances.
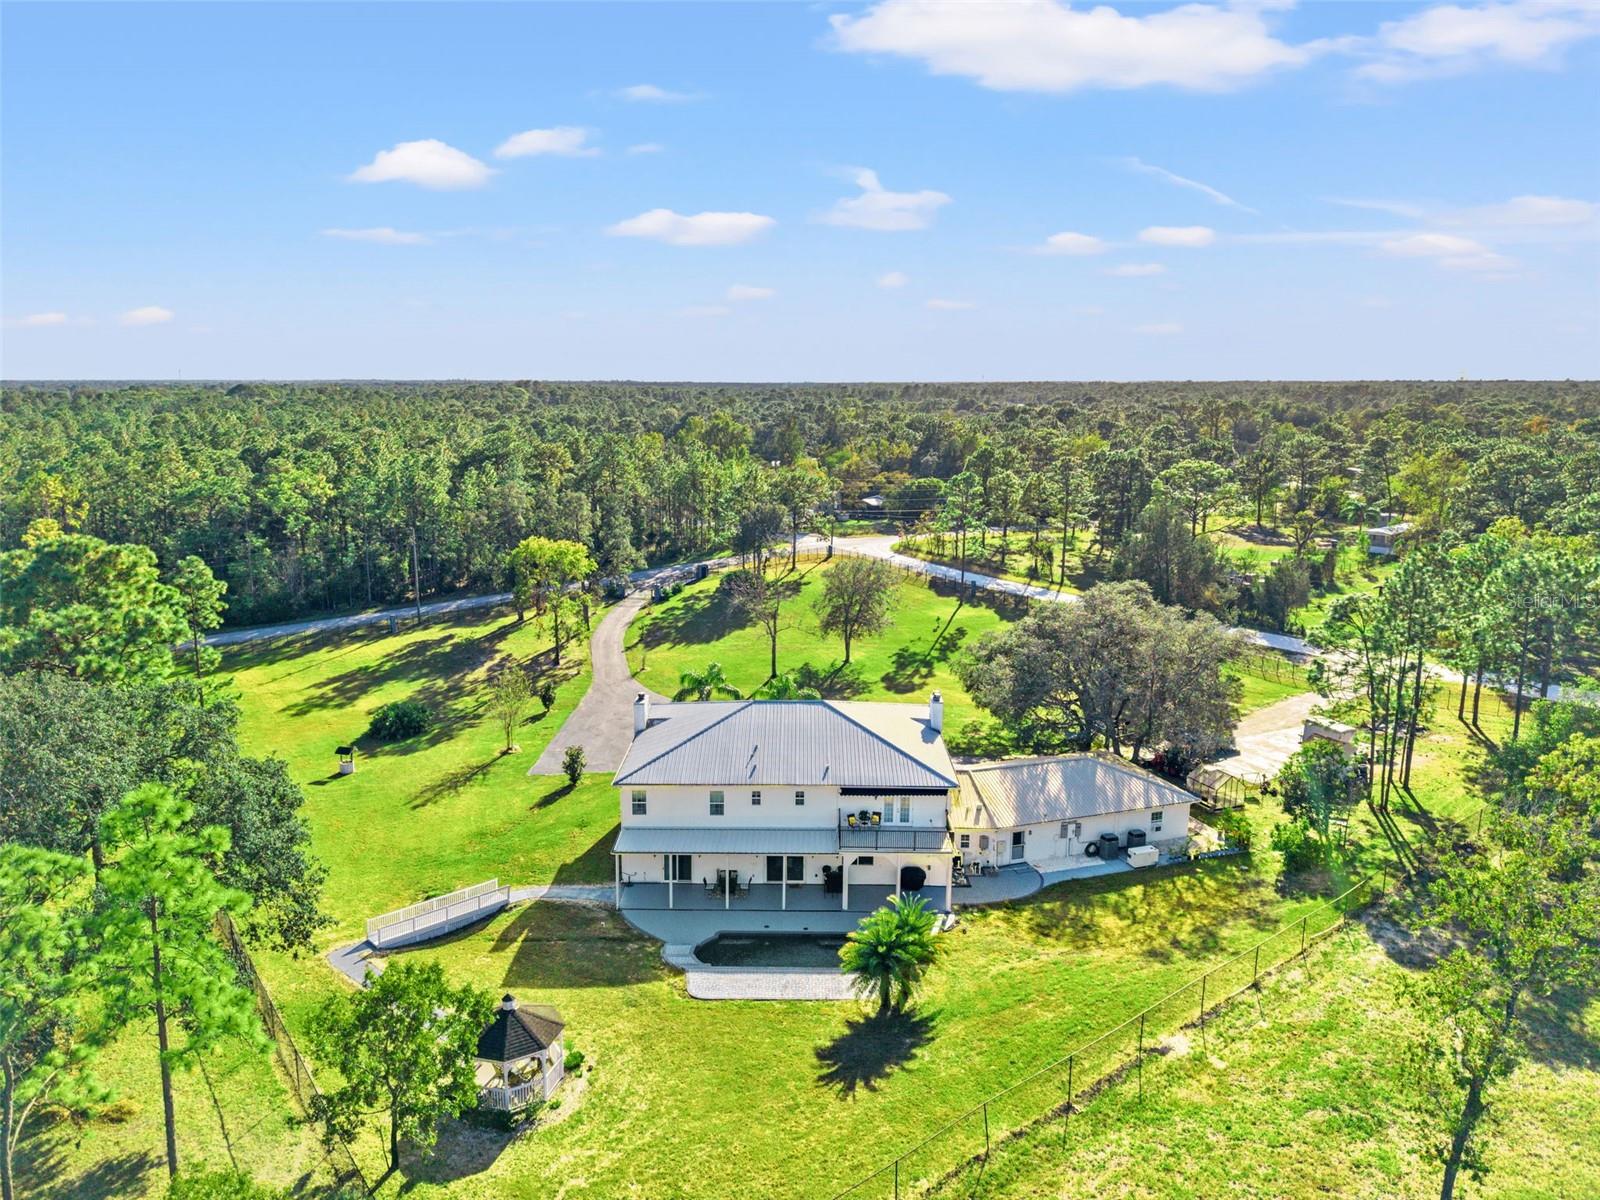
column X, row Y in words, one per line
column 796, row 743
column 1067, row 787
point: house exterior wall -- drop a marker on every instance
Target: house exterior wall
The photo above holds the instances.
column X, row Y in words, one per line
column 1042, row 842
column 679, row 806
column 650, row 868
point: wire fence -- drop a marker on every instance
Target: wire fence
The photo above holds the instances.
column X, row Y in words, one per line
column 1064, row 1092
column 1268, row 664
column 295, row 1066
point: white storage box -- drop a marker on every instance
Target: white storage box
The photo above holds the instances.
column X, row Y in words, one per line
column 1143, row 856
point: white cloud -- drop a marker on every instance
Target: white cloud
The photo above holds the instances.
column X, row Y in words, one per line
column 884, row 211
column 701, row 229
column 1448, row 250
column 42, row 320
column 646, row 148
column 1159, row 328
column 383, row 235
column 649, row 93
column 1449, row 39
column 1071, row 243
column 744, row 291
column 1527, row 211
column 893, row 279
column 566, row 141
column 151, row 314
column 705, row 310
column 429, row 163
column 1136, row 270
column 1045, row 46
column 1192, row 236
column 949, row 305
column 1211, row 193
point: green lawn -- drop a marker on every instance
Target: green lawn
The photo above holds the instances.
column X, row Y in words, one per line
column 1301, row 1092
column 237, row 1111
column 910, row 659
column 984, row 557
column 447, row 809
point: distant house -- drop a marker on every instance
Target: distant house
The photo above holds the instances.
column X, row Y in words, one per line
column 778, row 804
column 1056, row 812
column 872, row 502
column 1382, row 539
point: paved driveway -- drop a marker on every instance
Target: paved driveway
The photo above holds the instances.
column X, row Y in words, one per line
column 603, row 721
column 1264, row 739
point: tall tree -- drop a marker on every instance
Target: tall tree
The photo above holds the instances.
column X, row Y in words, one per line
column 159, row 957
column 510, row 698
column 757, row 598
column 46, row 1038
column 98, row 611
column 403, row 1047
column 1197, row 486
column 201, row 604
column 799, row 489
column 856, row 599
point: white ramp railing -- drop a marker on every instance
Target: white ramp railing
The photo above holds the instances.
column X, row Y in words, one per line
column 433, row 918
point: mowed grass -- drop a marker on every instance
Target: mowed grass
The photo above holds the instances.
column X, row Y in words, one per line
column 795, row 1100
column 443, row 810
column 1303, row 1091
column 928, row 627
column 235, row 1112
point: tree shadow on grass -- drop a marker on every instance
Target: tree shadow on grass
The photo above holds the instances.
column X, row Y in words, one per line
column 465, row 1148
column 558, row 790
column 690, row 620
column 871, row 1048
column 557, row 946
column 451, row 782
column 594, row 865
column 1212, row 895
column 42, row 1170
column 912, row 667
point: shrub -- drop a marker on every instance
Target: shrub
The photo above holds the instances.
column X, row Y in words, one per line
column 1300, row 847
column 573, row 763
column 547, row 695
column 1286, row 587
column 401, row 720
column 220, row 1185
column 573, row 1061
column 1234, row 826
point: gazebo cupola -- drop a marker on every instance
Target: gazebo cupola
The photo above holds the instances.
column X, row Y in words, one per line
column 520, row 1056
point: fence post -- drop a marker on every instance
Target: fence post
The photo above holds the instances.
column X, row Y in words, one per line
column 1203, row 980
column 1303, row 935
column 985, row 1131
column 1141, row 1058
column 897, row 1179
column 1255, row 972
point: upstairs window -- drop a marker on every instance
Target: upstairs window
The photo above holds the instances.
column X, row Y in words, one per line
column 755, row 799
column 638, row 804
column 799, row 799
column 717, row 805
column 905, row 810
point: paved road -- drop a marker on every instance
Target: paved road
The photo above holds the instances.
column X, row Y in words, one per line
column 603, row 721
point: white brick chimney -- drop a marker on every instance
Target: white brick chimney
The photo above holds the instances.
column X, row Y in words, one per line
column 936, row 712
column 641, row 713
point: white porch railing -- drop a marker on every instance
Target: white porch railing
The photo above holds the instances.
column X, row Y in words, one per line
column 506, row 1099
column 431, row 918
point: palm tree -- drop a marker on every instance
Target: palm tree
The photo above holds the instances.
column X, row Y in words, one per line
column 785, row 687
column 890, row 951
column 702, row 685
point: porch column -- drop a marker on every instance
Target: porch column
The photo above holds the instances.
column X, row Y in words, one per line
column 670, row 875
column 784, row 885
column 949, row 884
column 727, row 889
column 894, row 865
column 845, row 887
column 616, row 860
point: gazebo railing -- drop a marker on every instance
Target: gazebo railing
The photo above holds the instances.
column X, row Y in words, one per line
column 505, row 1099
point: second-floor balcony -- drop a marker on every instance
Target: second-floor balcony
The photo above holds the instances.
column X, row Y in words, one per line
column 872, row 833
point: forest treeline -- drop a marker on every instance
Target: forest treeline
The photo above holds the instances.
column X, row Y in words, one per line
column 305, row 497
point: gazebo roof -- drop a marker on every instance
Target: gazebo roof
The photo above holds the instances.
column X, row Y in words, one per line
column 517, row 1033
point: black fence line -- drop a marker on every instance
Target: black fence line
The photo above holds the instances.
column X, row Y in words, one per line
column 294, row 1064
column 894, row 1170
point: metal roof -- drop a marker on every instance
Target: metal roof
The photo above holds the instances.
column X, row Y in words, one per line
column 646, row 839
column 795, row 743
column 1031, row 791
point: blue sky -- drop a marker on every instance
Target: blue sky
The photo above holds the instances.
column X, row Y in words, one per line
column 915, row 189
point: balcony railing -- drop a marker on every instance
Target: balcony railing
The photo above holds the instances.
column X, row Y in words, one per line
column 890, row 837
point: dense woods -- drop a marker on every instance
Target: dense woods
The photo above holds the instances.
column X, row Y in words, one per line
column 305, row 498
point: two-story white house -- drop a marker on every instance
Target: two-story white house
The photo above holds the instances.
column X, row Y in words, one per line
column 784, row 804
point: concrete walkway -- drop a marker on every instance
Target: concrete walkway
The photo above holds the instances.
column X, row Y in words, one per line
column 754, row 983
column 1264, row 740
column 603, row 721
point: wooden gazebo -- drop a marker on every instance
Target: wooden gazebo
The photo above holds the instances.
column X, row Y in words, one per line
column 520, row 1056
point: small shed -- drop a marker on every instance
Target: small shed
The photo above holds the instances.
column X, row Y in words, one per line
column 520, row 1056
column 1383, row 540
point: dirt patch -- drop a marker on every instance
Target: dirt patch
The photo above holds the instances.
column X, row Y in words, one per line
column 1411, row 948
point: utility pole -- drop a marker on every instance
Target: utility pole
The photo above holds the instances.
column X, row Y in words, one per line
column 416, row 575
